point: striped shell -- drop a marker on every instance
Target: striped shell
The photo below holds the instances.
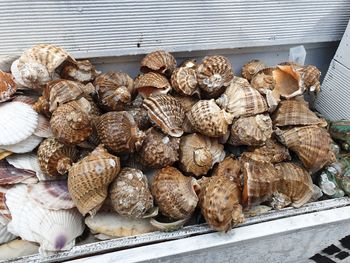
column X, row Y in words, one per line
column 184, row 80
column 152, row 83
column 82, row 71
column 230, row 168
column 7, row 86
column 250, row 68
column 263, row 80
column 25, row 146
column 10, row 175
column 159, row 61
column 311, row 77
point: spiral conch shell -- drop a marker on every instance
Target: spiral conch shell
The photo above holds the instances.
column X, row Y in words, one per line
column 7, row 86
column 152, row 83
column 251, row 68
column 311, row 77
column 230, row 168
column 82, row 71
column 129, row 193
column 184, row 81
column 159, row 61
column 88, row 180
column 174, row 193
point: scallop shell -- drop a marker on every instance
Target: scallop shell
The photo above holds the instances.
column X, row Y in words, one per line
column 152, row 83
column 119, row 132
column 19, row 121
column 254, row 130
column 26, row 161
column 10, row 175
column 29, row 99
column 184, row 81
column 167, row 113
column 198, row 153
column 250, row 68
column 18, row 248
column 174, row 193
column 160, row 61
column 54, row 230
column 43, row 129
column 27, row 145
column 214, row 74
column 130, row 194
column 82, row 71
column 7, row 86
column 5, row 235
column 220, row 203
column 70, row 124
column 55, row 158
column 158, row 150
column 114, row 89
column 230, row 168
column 311, row 77
column 207, row 118
column 241, row 99
column 312, row 144
column 88, row 180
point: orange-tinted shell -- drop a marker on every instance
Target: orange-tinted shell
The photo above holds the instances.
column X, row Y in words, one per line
column 160, row 61
column 82, row 71
column 42, row 105
column 8, row 86
column 288, row 81
column 250, row 68
column 152, row 83
column 184, row 80
column 88, row 180
column 230, row 168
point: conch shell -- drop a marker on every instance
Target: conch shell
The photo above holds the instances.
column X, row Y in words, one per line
column 82, row 71
column 159, row 61
column 230, row 168
column 8, row 86
column 250, row 68
column 184, row 81
column 152, row 83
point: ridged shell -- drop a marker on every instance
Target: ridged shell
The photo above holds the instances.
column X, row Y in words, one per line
column 29, row 99
column 167, row 113
column 70, row 124
column 159, row 61
column 220, row 203
column 241, row 99
column 88, row 180
column 26, row 161
column 184, row 80
column 174, row 193
column 214, row 74
column 10, row 175
column 198, row 153
column 82, row 71
column 55, row 158
column 230, row 168
column 119, row 132
column 27, row 145
column 207, row 118
column 311, row 77
column 312, row 144
column 129, row 193
column 19, row 121
column 140, row 116
column 158, row 150
column 7, row 86
column 114, row 90
column 186, row 101
column 43, row 129
column 254, row 130
column 152, row 83
column 250, row 68
column 5, row 213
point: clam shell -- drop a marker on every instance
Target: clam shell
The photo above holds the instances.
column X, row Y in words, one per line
column 184, row 81
column 26, row 161
column 174, row 193
column 7, row 86
column 11, row 175
column 230, row 168
column 17, row 248
column 129, row 193
column 250, row 68
column 167, row 113
column 159, row 61
column 82, row 71
column 25, row 146
column 152, row 83
column 88, row 180
column 19, row 122
column 43, row 129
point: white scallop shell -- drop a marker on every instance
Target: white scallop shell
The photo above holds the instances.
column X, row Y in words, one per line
column 5, row 235
column 18, row 122
column 54, row 230
column 43, row 129
column 27, row 161
column 25, row 146
column 17, row 248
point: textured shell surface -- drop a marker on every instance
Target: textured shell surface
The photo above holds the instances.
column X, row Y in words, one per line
column 253, row 130
column 5, row 214
column 230, row 168
column 114, row 89
column 220, row 203
column 250, row 68
column 152, row 83
column 167, row 113
column 129, row 193
column 82, row 71
column 174, row 193
column 70, row 124
column 184, row 80
column 8, row 86
column 119, row 132
column 26, row 161
column 19, row 122
column 54, row 230
column 88, row 180
column 140, row 116
column 311, row 77
column 214, row 74
column 263, row 80
column 18, row 248
column 10, row 175
column 207, row 118
column 27, row 145
column 240, row 99
column 43, row 129
column 159, row 61
column 186, row 101
column 29, row 99
column 198, row 153
column 312, row 144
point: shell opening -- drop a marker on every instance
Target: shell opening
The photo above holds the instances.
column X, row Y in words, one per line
column 202, row 157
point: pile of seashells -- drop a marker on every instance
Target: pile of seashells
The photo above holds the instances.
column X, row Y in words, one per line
column 126, row 157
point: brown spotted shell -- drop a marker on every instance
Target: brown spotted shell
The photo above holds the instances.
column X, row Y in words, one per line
column 159, row 61
column 312, row 144
column 152, row 83
column 207, row 118
column 230, row 168
column 167, row 113
column 82, row 71
column 220, row 203
column 158, row 150
column 174, row 193
column 118, row 132
column 184, row 80
column 88, row 180
column 250, row 68
column 214, row 74
column 129, row 193
column 139, row 113
column 114, row 90
column 8, row 86
column 70, row 123
column 311, row 77
column 56, row 158
column 198, row 153
column 42, row 105
column 263, row 80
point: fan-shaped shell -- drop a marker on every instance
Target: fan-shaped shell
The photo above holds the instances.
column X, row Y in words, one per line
column 27, row 145
column 152, row 83
column 312, row 144
column 198, row 153
column 220, row 203
column 114, row 89
column 19, row 121
column 26, row 161
column 88, row 180
column 230, row 168
column 29, row 99
column 207, row 118
column 159, row 61
column 82, row 71
column 250, row 68
column 129, row 193
column 5, row 235
column 214, row 74
column 7, row 86
column 184, row 80
column 167, row 113
column 174, row 193
column 119, row 132
column 11, row 175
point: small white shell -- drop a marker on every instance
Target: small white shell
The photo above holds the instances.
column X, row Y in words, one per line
column 27, row 161
column 25, row 146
